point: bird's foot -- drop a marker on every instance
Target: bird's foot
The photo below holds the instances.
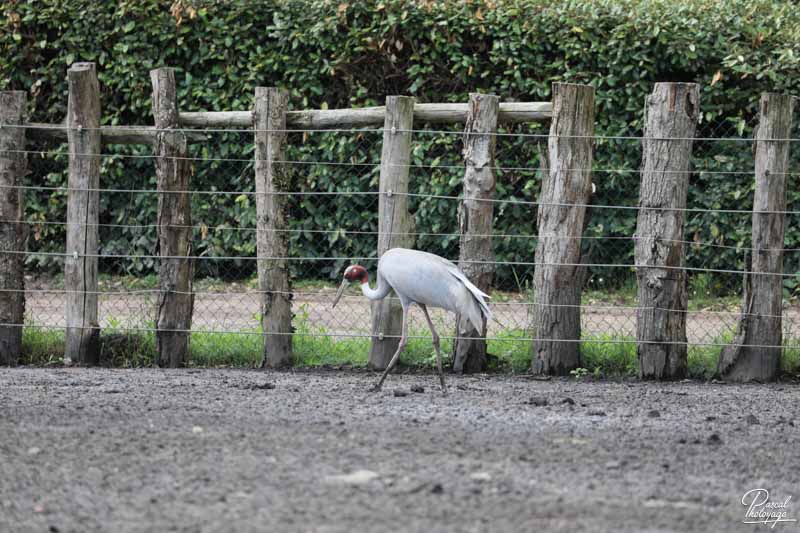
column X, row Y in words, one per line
column 375, row 388
column 444, row 388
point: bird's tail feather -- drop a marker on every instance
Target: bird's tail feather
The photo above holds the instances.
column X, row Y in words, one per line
column 481, row 310
column 480, row 298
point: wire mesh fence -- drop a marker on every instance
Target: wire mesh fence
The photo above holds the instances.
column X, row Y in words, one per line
column 333, row 222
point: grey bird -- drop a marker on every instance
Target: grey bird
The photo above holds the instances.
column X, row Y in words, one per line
column 426, row 280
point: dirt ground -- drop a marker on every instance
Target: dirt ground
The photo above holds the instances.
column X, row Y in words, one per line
column 313, row 451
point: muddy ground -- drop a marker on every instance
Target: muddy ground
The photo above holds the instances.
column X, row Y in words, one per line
column 244, row 450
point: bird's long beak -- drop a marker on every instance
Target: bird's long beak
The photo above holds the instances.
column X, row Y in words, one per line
column 339, row 293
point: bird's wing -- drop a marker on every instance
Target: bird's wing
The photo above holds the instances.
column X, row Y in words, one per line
column 476, row 292
column 455, row 271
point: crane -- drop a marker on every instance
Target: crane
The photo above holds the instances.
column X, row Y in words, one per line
column 424, row 279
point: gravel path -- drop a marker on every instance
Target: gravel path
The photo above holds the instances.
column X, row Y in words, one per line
column 234, row 450
column 238, row 312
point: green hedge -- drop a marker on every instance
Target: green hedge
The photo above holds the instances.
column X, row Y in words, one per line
column 349, row 54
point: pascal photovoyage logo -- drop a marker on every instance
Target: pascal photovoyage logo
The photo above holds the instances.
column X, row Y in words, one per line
column 762, row 510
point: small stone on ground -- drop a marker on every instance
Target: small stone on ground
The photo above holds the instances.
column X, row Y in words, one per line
column 359, row 477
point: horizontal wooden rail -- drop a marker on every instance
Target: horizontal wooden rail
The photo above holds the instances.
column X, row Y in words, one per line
column 108, row 134
column 510, row 112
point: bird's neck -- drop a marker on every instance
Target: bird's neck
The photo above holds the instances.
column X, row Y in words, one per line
column 379, row 292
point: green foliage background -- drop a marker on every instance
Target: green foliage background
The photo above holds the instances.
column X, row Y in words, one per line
column 349, row 54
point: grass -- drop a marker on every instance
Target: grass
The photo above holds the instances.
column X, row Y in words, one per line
column 42, row 346
column 602, row 355
column 610, row 355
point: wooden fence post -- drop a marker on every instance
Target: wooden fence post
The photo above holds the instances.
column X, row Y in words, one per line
column 12, row 236
column 755, row 353
column 476, row 256
column 272, row 175
column 671, row 114
column 566, row 190
column 83, row 206
column 176, row 299
column 395, row 223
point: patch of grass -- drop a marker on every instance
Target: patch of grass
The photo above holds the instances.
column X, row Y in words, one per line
column 790, row 362
column 707, row 293
column 317, row 351
column 602, row 355
column 315, row 345
column 615, row 356
column 217, row 285
column 150, row 281
column 127, row 349
column 598, row 293
column 715, row 303
column 52, row 280
column 702, row 361
column 316, row 284
column 210, row 349
column 106, row 281
column 42, row 347
column 512, row 351
column 610, row 355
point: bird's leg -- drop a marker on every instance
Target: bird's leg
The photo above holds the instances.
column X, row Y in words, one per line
column 396, row 356
column 436, row 347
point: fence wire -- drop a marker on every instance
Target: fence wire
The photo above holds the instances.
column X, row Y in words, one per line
column 333, row 220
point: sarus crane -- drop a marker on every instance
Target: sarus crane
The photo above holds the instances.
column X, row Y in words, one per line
column 426, row 280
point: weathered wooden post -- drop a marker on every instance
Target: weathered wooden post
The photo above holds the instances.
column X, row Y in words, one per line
column 755, row 353
column 12, row 235
column 175, row 299
column 83, row 206
column 476, row 256
column 566, row 190
column 272, row 176
column 395, row 223
column 671, row 114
